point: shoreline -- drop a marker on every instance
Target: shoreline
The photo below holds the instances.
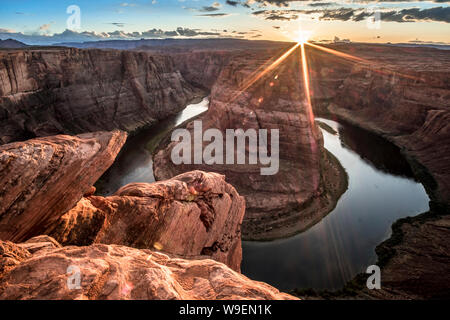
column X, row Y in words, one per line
column 390, row 259
column 315, row 209
column 334, row 183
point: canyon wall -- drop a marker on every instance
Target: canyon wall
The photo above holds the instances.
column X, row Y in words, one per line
column 193, row 215
column 202, row 68
column 52, row 91
column 147, row 241
column 42, row 178
column 47, row 189
column 400, row 93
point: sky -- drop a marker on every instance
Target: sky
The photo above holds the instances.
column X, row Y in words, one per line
column 48, row 22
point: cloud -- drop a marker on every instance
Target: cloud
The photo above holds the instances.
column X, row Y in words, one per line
column 287, row 3
column 214, row 7
column 213, row 15
column 233, row 3
column 436, row 14
column 73, row 36
column 118, row 24
column 45, row 27
column 322, row 4
column 238, row 2
column 208, row 11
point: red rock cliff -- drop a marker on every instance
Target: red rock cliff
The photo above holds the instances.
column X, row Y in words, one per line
column 53, row 91
column 400, row 93
column 42, row 178
column 276, row 101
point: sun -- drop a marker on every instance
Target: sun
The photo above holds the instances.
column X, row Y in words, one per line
column 303, row 36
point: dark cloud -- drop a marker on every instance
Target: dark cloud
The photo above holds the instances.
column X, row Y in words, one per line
column 286, row 3
column 118, row 24
column 281, row 17
column 213, row 15
column 233, row 3
column 208, row 9
column 237, row 2
column 322, row 4
column 438, row 14
column 214, row 7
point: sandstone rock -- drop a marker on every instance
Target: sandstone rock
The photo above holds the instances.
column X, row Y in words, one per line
column 420, row 264
column 80, row 225
column 10, row 256
column 38, row 243
column 118, row 272
column 193, row 214
column 276, row 101
column 202, row 68
column 54, row 91
column 400, row 93
column 43, row 178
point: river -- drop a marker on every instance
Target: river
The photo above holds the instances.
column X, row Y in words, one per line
column 135, row 162
column 381, row 190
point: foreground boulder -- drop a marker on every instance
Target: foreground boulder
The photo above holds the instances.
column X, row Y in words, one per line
column 118, row 272
column 193, row 214
column 41, row 179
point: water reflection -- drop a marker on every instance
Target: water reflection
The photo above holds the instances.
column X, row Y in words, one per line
column 343, row 243
column 375, row 150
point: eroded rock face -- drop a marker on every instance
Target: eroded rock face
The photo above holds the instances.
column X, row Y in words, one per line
column 193, row 214
column 420, row 265
column 118, row 272
column 276, row 101
column 43, row 178
column 202, row 68
column 400, row 93
column 70, row 91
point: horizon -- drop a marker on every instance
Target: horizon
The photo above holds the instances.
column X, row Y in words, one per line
column 50, row 22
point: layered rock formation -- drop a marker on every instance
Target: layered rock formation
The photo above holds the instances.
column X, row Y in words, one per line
column 53, row 91
column 194, row 214
column 43, row 178
column 202, row 68
column 417, row 258
column 44, row 181
column 294, row 198
column 117, row 272
column 403, row 95
column 400, row 93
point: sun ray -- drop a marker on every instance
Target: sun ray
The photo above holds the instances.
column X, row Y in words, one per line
column 261, row 71
column 337, row 53
column 347, row 56
column 306, row 83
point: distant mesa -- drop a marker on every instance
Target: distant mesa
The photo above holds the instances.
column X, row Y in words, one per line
column 11, row 44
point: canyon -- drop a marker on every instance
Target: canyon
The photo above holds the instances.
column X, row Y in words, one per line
column 53, row 91
column 293, row 199
column 147, row 241
column 399, row 93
